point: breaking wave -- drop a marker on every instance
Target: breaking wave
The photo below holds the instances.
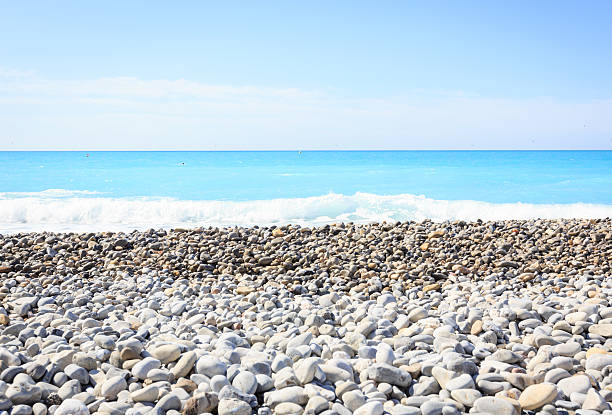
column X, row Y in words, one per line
column 68, row 211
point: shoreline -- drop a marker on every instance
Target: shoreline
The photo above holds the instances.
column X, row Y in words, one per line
column 412, row 318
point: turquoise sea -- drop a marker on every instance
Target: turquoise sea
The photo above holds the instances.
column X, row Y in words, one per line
column 75, row 191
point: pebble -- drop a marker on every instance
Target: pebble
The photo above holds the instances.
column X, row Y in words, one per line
column 407, row 319
column 71, row 407
column 233, row 407
column 576, row 383
column 594, row 401
column 370, row 408
column 169, row 402
column 536, row 396
column 492, row 405
column 146, row 394
column 246, row 382
column 166, row 353
column 184, row 364
column 211, row 366
column 466, row 397
column 353, row 399
column 142, row 368
column 111, row 387
column 78, row 373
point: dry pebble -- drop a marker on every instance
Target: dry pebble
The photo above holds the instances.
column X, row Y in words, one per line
column 425, row 318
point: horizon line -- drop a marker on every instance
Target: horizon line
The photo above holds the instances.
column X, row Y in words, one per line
column 305, row 151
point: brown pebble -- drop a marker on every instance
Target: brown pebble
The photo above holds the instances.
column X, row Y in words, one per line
column 476, row 328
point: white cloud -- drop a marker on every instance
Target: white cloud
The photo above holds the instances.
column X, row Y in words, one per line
column 131, row 113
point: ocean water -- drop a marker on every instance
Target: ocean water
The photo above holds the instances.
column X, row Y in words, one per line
column 78, row 191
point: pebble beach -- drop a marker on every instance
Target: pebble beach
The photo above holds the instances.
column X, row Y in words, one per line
column 412, row 318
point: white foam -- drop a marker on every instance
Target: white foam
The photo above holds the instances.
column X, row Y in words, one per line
column 49, row 193
column 27, row 213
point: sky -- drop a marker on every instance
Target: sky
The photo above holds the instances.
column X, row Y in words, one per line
column 286, row 75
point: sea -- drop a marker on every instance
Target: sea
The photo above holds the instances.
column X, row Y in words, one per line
column 123, row 191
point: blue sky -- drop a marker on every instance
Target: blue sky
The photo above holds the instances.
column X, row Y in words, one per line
column 317, row 74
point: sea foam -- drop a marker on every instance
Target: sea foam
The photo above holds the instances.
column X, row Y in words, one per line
column 61, row 211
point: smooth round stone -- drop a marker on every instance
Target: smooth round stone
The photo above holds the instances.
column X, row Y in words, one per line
column 210, row 366
column 598, row 361
column 382, row 372
column 576, row 383
column 578, row 398
column 295, row 394
column 562, row 362
column 426, row 386
column 417, row 314
column 130, row 349
column 450, row 410
column 602, row 329
column 306, row 369
column 345, row 386
column 184, row 365
column 370, row 408
column 464, row 381
column 405, row 410
column 78, row 373
column 21, row 410
column 111, row 387
column 595, row 402
column 492, row 405
column 505, row 356
column 142, row 368
column 536, row 396
column 105, row 342
column 353, row 399
column 490, row 387
column 288, row 408
column 280, row 362
column 158, row 375
column 218, row 382
column 85, row 361
column 555, row 375
column 166, row 353
column 576, row 317
column 169, row 402
column 466, row 397
column 113, row 408
column 442, row 376
column 146, row 394
column 385, row 354
column 39, row 409
column 432, row 407
column 202, row 403
column 60, row 378
column 461, row 365
column 245, row 382
column 69, row 389
column 316, row 404
column 568, row 349
column 233, row 407
column 284, row 378
column 71, row 407
column 264, row 383
column 300, row 340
